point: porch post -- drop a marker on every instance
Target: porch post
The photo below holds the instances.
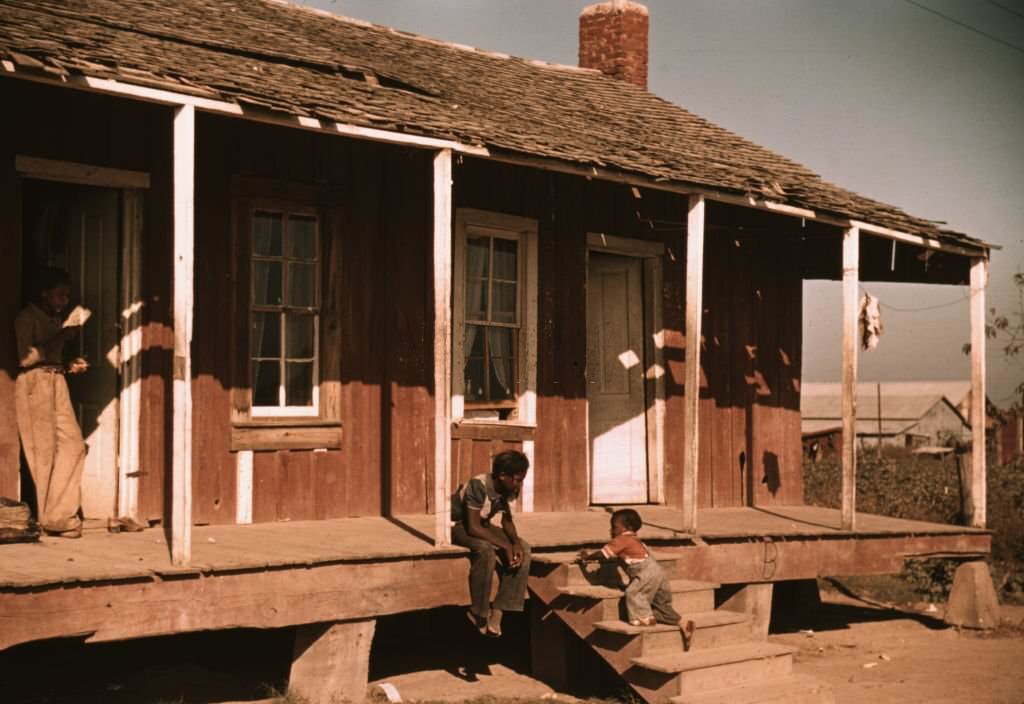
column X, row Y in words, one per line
column 183, row 187
column 442, row 289
column 691, row 379
column 976, row 503
column 851, row 275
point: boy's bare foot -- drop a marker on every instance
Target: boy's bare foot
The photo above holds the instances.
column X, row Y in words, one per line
column 493, row 628
column 687, row 628
column 479, row 623
column 649, row 621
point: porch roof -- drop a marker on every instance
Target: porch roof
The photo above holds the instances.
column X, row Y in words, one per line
column 271, row 57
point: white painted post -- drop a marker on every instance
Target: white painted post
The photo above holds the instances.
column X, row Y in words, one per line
column 184, row 225
column 243, row 486
column 691, row 400
column 851, row 276
column 977, row 503
column 442, row 290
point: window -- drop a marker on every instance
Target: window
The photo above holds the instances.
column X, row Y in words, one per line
column 492, row 319
column 494, row 314
column 284, row 313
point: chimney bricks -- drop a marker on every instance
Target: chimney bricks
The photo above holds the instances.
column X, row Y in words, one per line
column 613, row 39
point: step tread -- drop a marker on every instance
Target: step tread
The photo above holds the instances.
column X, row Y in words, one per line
column 568, row 558
column 766, row 691
column 598, row 591
column 702, row 619
column 700, row 659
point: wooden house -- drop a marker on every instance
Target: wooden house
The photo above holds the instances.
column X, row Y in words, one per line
column 336, row 267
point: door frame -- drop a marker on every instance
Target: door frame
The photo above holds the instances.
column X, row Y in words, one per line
column 131, row 186
column 651, row 253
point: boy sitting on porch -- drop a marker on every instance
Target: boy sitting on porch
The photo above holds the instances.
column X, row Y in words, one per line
column 648, row 596
column 492, row 549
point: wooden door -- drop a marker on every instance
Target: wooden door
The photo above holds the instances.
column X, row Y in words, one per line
column 90, row 254
column 615, row 380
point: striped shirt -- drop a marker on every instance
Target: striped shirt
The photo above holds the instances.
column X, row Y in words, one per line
column 626, row 547
column 480, row 494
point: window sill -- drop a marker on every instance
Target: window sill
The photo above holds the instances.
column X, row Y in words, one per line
column 286, row 434
column 481, row 429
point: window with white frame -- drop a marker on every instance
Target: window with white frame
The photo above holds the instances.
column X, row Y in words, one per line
column 495, row 329
column 284, row 310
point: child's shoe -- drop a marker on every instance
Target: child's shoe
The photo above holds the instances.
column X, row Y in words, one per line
column 649, row 621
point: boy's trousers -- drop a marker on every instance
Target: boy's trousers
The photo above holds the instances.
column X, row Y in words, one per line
column 483, row 562
column 649, row 592
column 53, row 446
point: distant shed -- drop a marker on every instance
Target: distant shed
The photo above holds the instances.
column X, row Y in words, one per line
column 913, row 414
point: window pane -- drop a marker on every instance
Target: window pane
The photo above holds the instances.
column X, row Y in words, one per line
column 477, row 254
column 474, row 386
column 266, row 335
column 299, row 334
column 302, row 237
column 266, row 383
column 266, row 234
column 505, row 255
column 504, row 307
column 266, row 283
column 474, row 345
column 500, row 344
column 301, row 283
column 299, row 389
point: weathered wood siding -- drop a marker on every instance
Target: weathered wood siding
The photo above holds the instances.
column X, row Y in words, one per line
column 80, row 127
column 750, row 419
column 382, row 196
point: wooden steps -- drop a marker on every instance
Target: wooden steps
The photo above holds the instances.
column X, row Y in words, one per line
column 663, row 676
column 687, row 595
column 724, row 664
column 793, row 689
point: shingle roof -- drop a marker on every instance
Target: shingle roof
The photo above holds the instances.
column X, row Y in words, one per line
column 267, row 54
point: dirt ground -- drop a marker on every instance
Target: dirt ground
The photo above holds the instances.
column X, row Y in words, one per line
column 879, row 655
column 867, row 653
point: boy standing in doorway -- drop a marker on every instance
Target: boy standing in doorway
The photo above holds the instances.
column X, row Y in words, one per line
column 492, row 549
column 50, row 436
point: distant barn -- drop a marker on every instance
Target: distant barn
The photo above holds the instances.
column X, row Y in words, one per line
column 913, row 414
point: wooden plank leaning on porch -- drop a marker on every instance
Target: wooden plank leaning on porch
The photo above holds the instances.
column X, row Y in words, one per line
column 851, row 277
column 184, row 224
column 977, row 504
column 442, row 291
column 691, row 400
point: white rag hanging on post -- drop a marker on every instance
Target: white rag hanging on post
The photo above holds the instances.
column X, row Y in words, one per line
column 870, row 322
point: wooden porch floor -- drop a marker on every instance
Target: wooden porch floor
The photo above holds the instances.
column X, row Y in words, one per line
column 103, row 557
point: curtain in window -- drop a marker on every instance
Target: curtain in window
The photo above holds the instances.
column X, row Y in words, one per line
column 500, row 344
column 476, row 283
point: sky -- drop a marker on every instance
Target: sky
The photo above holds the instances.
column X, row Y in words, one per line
column 884, row 97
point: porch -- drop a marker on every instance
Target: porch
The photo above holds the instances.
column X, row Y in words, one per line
column 120, row 586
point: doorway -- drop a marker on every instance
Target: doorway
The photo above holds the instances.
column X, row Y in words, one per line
column 625, row 388
column 78, row 228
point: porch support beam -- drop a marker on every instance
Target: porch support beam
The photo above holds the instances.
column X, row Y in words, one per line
column 691, row 400
column 977, row 504
column 183, row 187
column 442, row 292
column 851, row 276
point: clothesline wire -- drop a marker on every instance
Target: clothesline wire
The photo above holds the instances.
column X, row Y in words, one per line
column 923, row 308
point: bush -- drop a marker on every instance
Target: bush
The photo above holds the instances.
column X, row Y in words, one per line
column 915, row 487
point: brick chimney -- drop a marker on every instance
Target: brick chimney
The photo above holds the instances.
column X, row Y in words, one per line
column 613, row 39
